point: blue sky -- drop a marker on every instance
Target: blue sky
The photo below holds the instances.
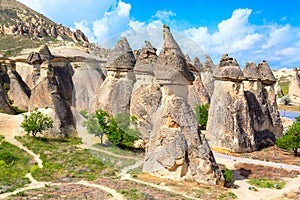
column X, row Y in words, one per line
column 248, row 30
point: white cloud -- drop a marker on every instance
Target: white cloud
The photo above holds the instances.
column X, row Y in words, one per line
column 278, row 36
column 164, row 15
column 113, row 22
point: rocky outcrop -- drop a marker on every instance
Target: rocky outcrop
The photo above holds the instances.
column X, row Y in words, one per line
column 294, row 88
column 145, row 65
column 206, row 75
column 229, row 123
column 114, row 93
column 18, row 19
column 86, row 80
column 172, row 68
column 48, row 92
column 175, row 148
column 19, row 92
column 243, row 115
column 260, row 108
column 278, row 90
column 5, row 106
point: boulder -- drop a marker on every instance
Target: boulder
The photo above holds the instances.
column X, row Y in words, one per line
column 175, row 147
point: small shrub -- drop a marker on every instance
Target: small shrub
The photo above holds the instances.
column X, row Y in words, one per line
column 201, row 114
column 6, row 86
column 227, row 173
column 17, row 110
column 285, row 100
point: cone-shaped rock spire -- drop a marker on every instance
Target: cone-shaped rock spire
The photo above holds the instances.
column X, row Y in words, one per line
column 121, row 58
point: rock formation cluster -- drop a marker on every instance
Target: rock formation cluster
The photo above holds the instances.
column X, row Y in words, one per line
column 243, row 115
column 161, row 91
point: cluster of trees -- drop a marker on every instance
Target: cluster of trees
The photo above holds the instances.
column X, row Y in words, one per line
column 201, row 114
column 119, row 130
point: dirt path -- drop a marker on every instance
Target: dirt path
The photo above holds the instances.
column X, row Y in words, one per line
column 243, row 192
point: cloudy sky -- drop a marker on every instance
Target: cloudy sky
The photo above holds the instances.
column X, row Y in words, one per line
column 248, row 30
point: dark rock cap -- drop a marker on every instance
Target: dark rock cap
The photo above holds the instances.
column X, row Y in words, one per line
column 209, row 65
column 265, row 73
column 34, row 58
column 121, row 58
column 172, row 56
column 228, row 70
column 197, row 64
column 251, row 72
column 45, row 53
column 146, row 58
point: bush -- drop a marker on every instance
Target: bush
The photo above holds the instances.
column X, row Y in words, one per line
column 291, row 140
column 92, row 125
column 227, row 173
column 17, row 110
column 285, row 100
column 118, row 128
column 36, row 122
column 201, row 114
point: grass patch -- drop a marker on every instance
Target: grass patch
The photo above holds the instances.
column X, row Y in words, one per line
column 285, row 87
column 63, row 161
column 267, row 183
column 132, row 194
column 14, row 165
column 112, row 161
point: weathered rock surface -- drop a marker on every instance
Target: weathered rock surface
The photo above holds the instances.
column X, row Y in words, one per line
column 206, row 75
column 243, row 115
column 175, row 148
column 18, row 19
column 48, row 92
column 278, row 90
column 294, row 88
column 4, row 101
column 229, row 123
column 86, row 80
column 19, row 92
column 172, row 66
column 114, row 94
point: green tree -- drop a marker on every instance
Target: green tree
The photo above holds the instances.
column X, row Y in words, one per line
column 201, row 114
column 92, row 126
column 36, row 122
column 291, row 140
column 118, row 129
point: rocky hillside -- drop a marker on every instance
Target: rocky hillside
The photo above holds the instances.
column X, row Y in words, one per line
column 17, row 20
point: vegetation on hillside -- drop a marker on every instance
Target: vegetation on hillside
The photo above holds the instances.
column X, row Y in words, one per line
column 14, row 165
column 63, row 160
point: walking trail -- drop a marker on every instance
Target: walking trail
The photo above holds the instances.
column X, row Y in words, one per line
column 9, row 128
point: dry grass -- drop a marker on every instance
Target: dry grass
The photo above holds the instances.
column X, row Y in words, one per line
column 293, row 195
column 271, row 154
column 259, row 171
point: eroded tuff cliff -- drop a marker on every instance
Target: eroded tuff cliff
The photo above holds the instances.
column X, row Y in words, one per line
column 18, row 19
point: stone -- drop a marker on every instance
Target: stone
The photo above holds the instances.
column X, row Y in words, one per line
column 266, row 74
column 175, row 147
column 34, row 58
column 251, row 72
column 121, row 58
column 294, row 88
column 45, row 53
column 171, row 63
column 278, row 90
column 114, row 94
column 228, row 70
column 206, row 75
column 48, row 93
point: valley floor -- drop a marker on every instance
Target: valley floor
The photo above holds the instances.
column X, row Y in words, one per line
column 130, row 183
